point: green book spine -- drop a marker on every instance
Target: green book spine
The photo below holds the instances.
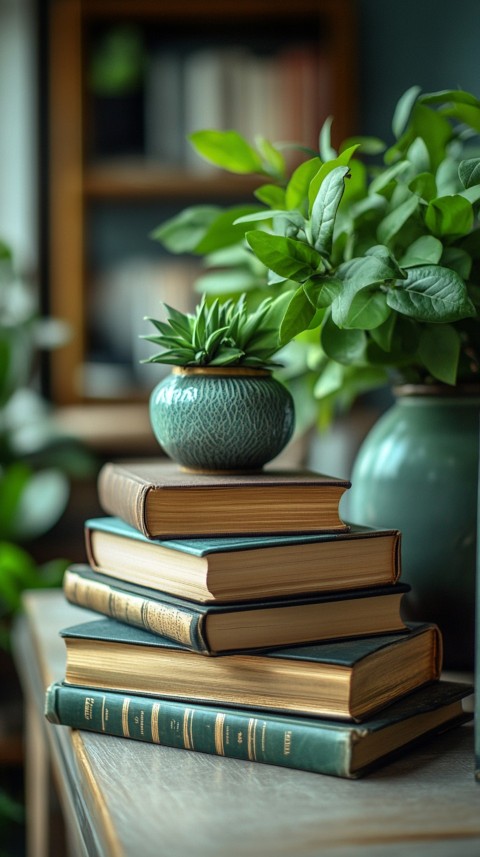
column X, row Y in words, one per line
column 276, row 740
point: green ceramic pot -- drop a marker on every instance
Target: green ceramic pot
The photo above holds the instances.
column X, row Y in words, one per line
column 417, row 471
column 221, row 419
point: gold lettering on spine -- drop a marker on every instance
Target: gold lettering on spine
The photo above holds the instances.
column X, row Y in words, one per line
column 219, row 733
column 167, row 621
column 104, row 700
column 125, row 707
column 252, row 726
column 159, row 618
column 154, row 723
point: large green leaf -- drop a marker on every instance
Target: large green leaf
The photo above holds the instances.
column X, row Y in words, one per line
column 426, row 250
column 274, row 161
column 433, row 294
column 227, row 149
column 298, row 315
column 403, row 110
column 439, row 350
column 182, row 233
column 469, row 172
column 342, row 160
column 330, row 380
column 289, row 258
column 391, row 225
column 364, row 310
column 418, row 155
column 424, row 185
column 449, row 215
column 434, row 129
column 224, row 230
column 296, row 194
column 454, row 96
column 344, row 346
column 271, row 195
column 384, row 177
column 467, row 113
column 325, row 207
column 374, row 267
column 322, row 290
column 327, row 152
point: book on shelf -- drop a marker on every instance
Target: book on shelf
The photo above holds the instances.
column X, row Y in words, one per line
column 162, row 501
column 221, row 628
column 233, row 568
column 164, row 114
column 317, row 745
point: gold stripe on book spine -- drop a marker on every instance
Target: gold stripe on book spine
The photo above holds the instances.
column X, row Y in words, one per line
column 219, row 734
column 188, row 729
column 104, row 701
column 252, row 726
column 154, row 723
column 125, row 707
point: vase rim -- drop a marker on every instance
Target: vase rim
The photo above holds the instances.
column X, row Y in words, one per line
column 221, row 370
column 443, row 391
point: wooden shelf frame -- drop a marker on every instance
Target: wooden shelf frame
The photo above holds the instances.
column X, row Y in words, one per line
column 74, row 183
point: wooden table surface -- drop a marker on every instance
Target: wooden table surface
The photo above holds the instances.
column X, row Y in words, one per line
column 122, row 797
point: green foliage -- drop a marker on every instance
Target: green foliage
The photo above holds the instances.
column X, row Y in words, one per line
column 35, row 461
column 381, row 259
column 220, row 334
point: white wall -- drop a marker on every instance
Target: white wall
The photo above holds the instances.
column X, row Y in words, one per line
column 18, row 138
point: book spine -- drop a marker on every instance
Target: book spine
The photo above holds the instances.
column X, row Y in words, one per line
column 272, row 739
column 166, row 620
column 123, row 497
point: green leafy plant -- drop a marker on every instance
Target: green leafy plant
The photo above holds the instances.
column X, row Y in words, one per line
column 381, row 259
column 220, row 334
column 36, row 461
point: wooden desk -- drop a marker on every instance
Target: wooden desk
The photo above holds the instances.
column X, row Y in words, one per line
column 126, row 798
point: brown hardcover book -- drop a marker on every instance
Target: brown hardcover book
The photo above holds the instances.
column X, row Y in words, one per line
column 162, row 501
column 346, row 679
column 234, row 568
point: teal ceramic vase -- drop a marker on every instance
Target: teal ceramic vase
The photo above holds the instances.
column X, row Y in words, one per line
column 417, row 471
column 221, row 419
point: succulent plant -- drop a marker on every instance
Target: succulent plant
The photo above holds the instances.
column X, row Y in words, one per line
column 220, row 334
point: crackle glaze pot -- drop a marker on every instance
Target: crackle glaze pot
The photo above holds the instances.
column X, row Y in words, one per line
column 221, row 419
column 417, row 471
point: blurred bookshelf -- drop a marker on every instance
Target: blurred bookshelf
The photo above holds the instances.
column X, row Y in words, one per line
column 126, row 82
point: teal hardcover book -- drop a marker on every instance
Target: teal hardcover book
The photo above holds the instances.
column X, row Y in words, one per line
column 345, row 679
column 220, row 628
column 233, row 568
column 316, row 745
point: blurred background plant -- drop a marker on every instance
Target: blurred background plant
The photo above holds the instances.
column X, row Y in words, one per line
column 36, row 461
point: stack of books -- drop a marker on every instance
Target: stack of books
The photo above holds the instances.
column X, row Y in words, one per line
column 243, row 617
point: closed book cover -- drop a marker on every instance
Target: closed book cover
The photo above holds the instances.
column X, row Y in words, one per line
column 162, row 501
column 220, row 628
column 346, row 679
column 318, row 745
column 231, row 568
